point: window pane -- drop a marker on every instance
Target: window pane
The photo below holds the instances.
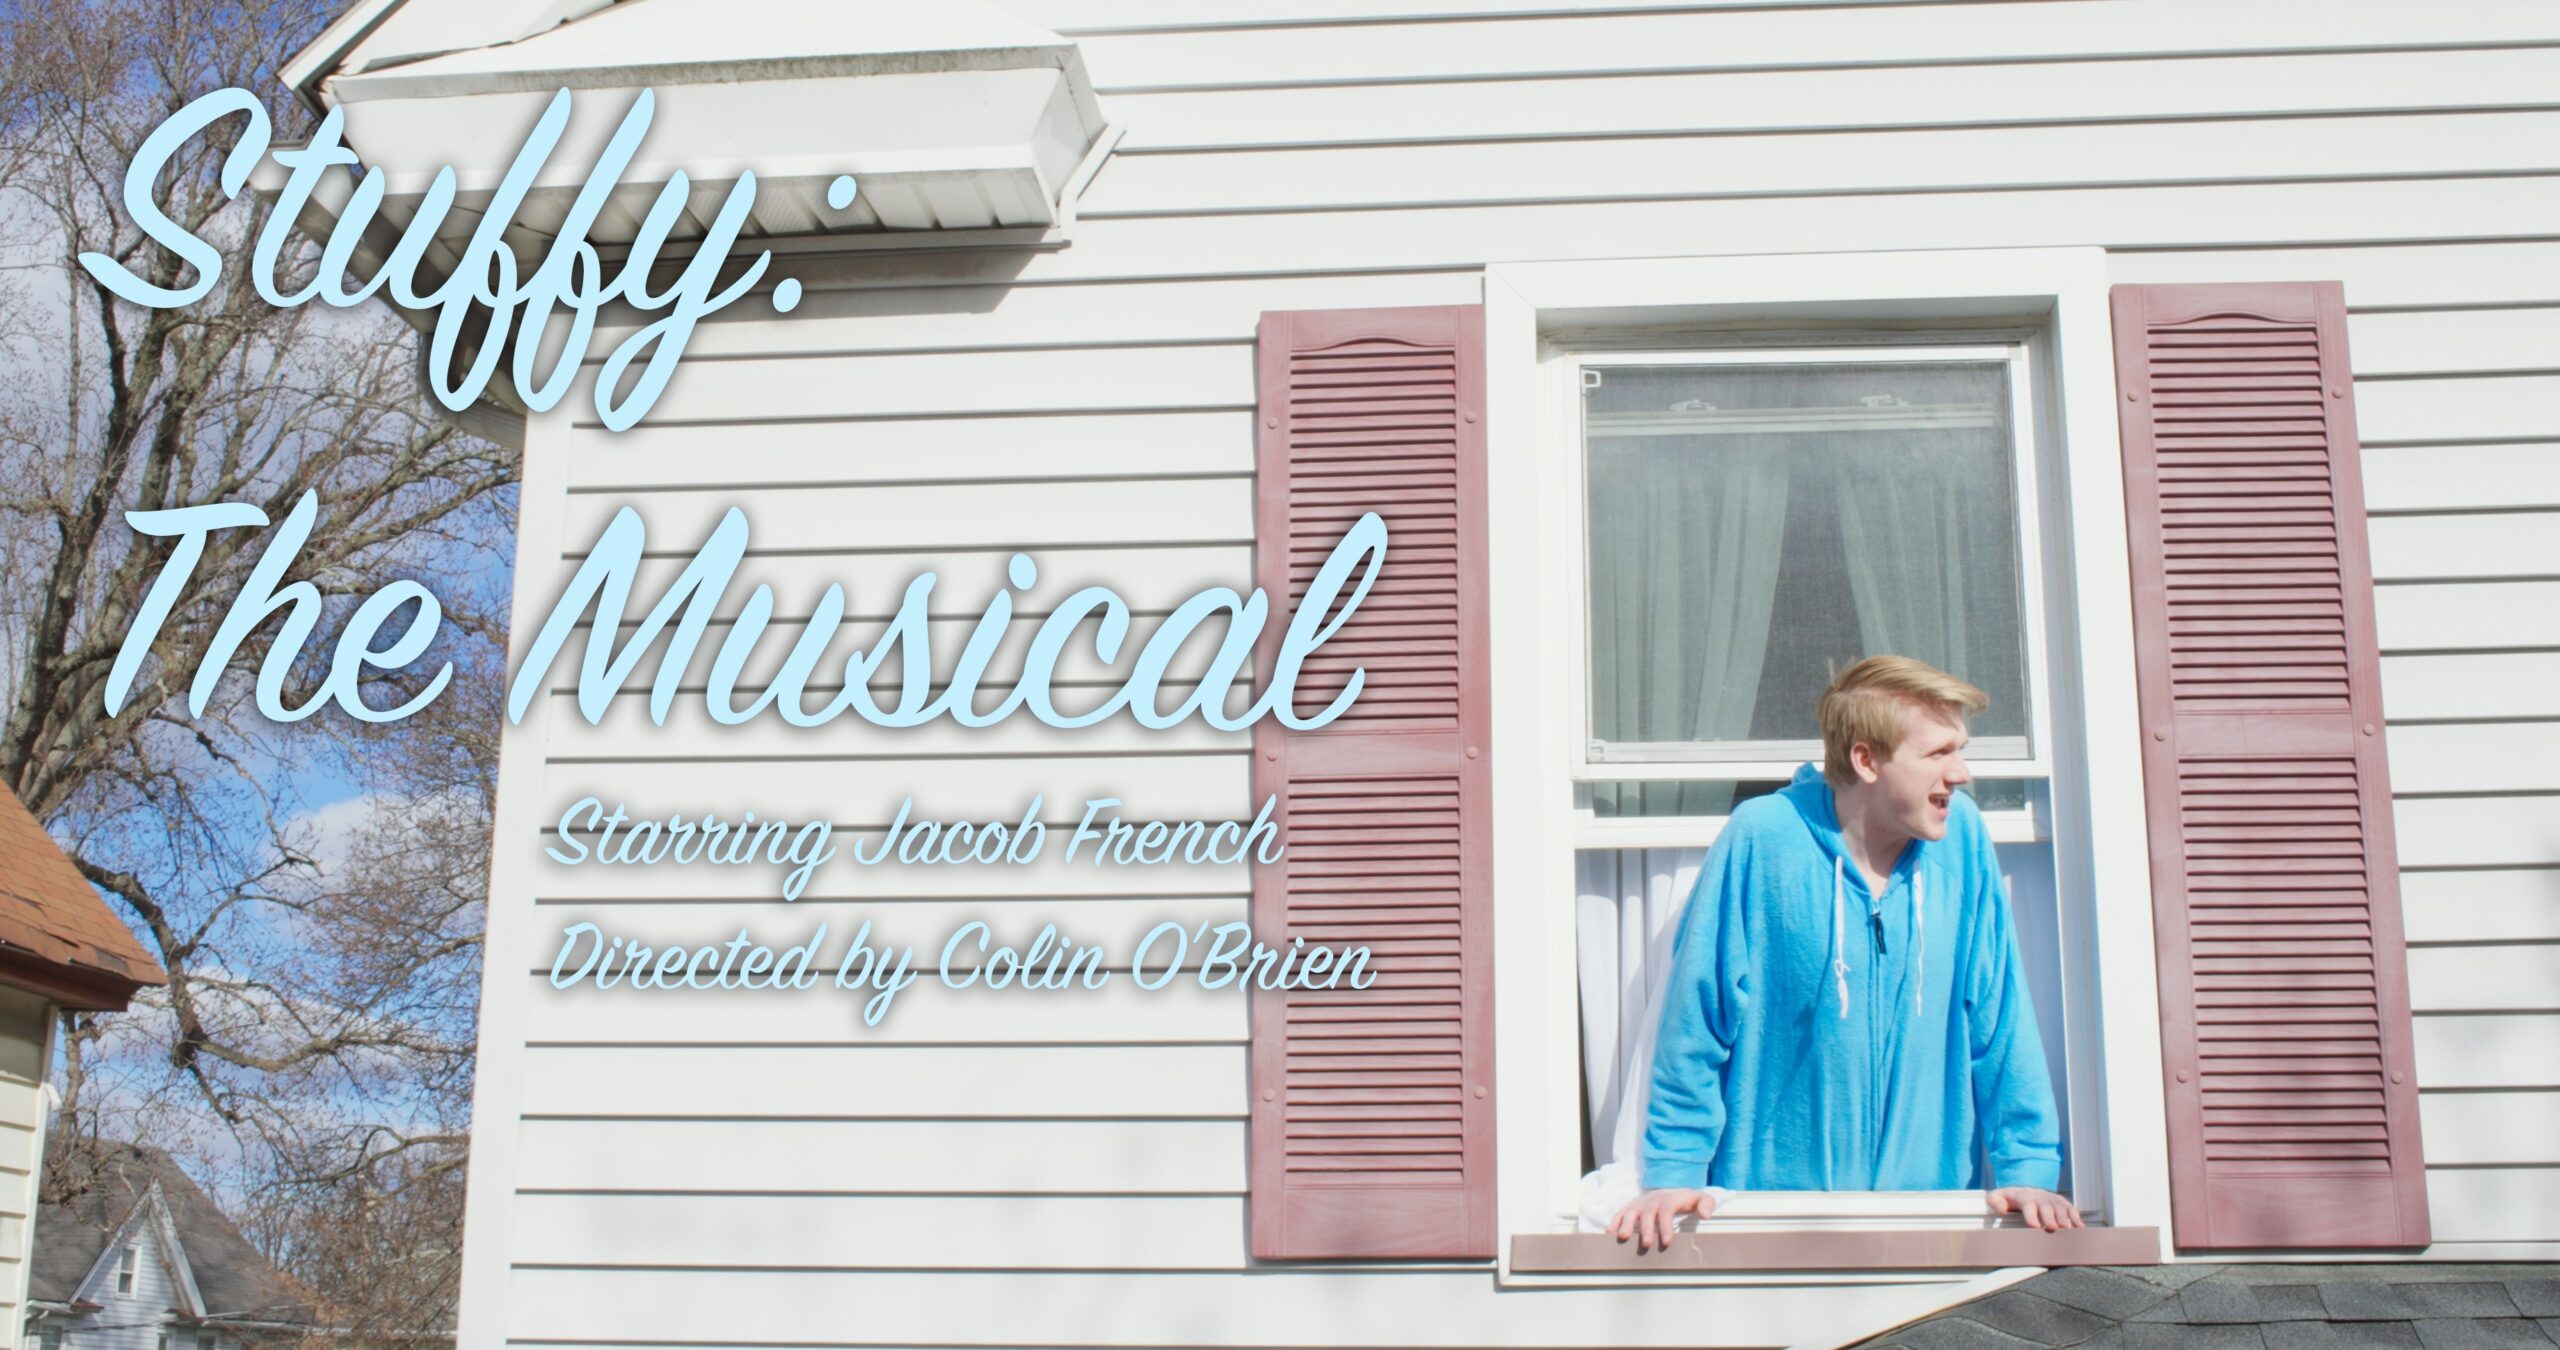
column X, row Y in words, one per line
column 1754, row 527
column 1610, row 800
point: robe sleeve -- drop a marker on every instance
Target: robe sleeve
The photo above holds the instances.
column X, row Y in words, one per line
column 1684, row 1113
column 2012, row 1092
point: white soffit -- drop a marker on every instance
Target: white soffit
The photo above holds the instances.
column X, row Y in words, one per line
column 949, row 115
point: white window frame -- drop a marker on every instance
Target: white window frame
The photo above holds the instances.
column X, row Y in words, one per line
column 1566, row 355
column 128, row 1270
column 2058, row 299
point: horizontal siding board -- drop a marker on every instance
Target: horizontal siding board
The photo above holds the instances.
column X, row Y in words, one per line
column 1200, row 310
column 1018, row 516
column 2472, row 686
column 2476, row 757
column 877, row 1232
column 1749, row 38
column 1073, row 18
column 2415, row 273
column 2507, row 976
column 2522, row 905
column 1843, row 162
column 788, row 454
column 1416, row 1306
column 2488, row 1050
column 2478, row 831
column 19, row 1111
column 2193, row 89
column 1010, row 1157
column 927, row 1012
column 2458, row 547
column 866, row 1082
column 2130, row 215
column 2493, row 1204
column 902, row 385
column 2474, row 408
column 2474, row 1129
column 2456, row 477
column 2459, row 616
column 2406, row 342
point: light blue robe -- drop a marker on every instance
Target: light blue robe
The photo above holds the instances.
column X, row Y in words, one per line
column 1815, row 1037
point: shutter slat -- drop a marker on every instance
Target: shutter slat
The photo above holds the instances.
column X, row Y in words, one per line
column 2284, row 1004
column 1371, row 1110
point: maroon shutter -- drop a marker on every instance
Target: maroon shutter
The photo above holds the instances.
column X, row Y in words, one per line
column 2284, row 991
column 1373, row 1110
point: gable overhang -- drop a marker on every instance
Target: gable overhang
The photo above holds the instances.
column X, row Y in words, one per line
column 78, row 987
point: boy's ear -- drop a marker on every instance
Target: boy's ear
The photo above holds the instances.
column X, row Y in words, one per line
column 1862, row 761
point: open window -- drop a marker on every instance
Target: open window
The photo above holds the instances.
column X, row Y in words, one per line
column 1746, row 473
column 1756, row 511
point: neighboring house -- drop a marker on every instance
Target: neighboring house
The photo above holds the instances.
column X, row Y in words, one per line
column 2208, row 352
column 60, row 947
column 140, row 1258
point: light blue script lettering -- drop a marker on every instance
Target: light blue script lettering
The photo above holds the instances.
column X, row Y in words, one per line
column 601, row 591
column 570, row 277
column 259, row 599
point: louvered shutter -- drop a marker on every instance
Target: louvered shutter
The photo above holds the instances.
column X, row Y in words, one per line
column 1372, row 1110
column 2284, row 997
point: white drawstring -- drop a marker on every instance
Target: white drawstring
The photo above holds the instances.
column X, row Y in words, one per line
column 1840, row 934
column 1919, row 940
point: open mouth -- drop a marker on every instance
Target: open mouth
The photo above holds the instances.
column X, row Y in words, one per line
column 1938, row 800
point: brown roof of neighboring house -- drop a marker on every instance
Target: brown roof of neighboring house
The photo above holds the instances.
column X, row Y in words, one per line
column 57, row 937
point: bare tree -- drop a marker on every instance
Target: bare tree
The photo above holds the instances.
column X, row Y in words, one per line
column 314, row 888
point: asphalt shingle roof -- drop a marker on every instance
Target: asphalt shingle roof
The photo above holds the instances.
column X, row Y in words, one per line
column 2255, row 1307
column 48, row 911
column 235, row 1280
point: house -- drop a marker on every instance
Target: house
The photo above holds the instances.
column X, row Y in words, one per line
column 60, row 948
column 138, row 1257
column 2203, row 354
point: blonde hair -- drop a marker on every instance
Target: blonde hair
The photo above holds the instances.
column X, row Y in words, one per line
column 1870, row 704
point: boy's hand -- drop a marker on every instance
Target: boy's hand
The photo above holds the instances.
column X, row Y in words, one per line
column 2041, row 1209
column 1654, row 1215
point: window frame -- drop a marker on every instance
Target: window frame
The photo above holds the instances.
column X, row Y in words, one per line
column 128, row 1270
column 2058, row 297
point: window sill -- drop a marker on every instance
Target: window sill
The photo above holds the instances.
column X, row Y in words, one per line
column 1836, row 1249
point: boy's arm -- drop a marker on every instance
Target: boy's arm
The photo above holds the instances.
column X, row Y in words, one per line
column 2012, row 1093
column 1684, row 1109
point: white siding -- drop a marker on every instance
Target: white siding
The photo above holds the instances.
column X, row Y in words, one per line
column 729, row 1170
column 24, row 1020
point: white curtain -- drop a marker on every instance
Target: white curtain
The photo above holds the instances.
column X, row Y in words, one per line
column 1926, row 536
column 1625, row 920
column 1685, row 551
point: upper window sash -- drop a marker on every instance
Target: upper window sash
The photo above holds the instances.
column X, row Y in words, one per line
column 1568, row 358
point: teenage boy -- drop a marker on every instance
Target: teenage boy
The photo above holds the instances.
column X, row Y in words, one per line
column 1847, row 1010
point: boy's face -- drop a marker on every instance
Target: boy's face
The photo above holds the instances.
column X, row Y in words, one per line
column 1917, row 783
